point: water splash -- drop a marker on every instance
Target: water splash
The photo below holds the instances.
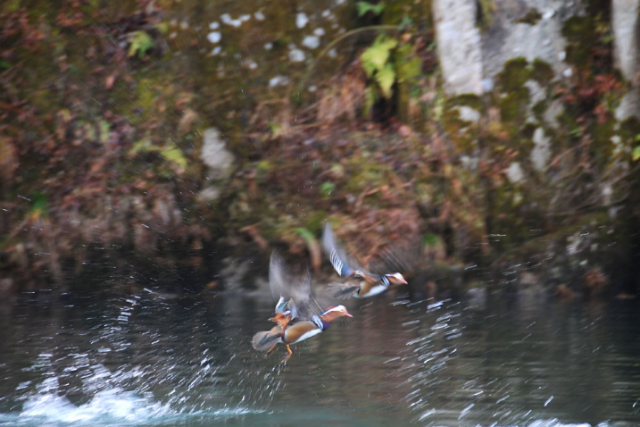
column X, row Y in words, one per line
column 113, row 406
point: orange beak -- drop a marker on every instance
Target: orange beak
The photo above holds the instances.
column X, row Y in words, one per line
column 348, row 315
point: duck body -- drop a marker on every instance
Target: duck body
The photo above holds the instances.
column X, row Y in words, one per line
column 369, row 290
column 297, row 315
column 367, row 285
column 363, row 289
column 302, row 331
column 297, row 331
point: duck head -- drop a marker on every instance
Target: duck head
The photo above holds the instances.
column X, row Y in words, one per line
column 396, row 279
column 283, row 318
column 334, row 312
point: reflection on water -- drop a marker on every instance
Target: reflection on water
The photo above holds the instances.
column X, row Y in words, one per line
column 147, row 360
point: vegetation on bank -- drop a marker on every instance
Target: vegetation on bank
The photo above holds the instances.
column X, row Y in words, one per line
column 101, row 130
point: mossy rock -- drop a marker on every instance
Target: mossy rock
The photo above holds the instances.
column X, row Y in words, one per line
column 532, row 17
column 542, row 72
column 468, row 100
column 514, row 75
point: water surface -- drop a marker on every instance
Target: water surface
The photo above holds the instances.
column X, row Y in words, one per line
column 149, row 359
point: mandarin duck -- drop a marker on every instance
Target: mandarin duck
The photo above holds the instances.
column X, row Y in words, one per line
column 297, row 314
column 369, row 284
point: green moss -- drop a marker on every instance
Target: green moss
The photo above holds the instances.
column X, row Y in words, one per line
column 514, row 74
column 579, row 33
column 365, row 173
column 146, row 99
column 602, row 134
column 486, row 13
column 630, row 129
column 539, row 108
column 542, row 72
column 405, row 11
column 314, row 221
column 455, row 127
column 532, row 17
column 528, row 130
column 468, row 100
column 513, row 106
column 11, row 6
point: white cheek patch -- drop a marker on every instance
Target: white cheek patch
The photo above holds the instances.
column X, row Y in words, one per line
column 338, row 309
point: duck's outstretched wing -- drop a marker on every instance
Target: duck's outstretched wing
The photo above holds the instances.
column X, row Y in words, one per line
column 295, row 290
column 342, row 290
column 342, row 263
column 397, row 258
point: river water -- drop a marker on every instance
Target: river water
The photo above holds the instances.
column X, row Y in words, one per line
column 151, row 359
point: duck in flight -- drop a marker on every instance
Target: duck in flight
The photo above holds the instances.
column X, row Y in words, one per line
column 297, row 314
column 367, row 285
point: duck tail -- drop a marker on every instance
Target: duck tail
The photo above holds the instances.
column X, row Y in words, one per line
column 341, row 290
column 265, row 340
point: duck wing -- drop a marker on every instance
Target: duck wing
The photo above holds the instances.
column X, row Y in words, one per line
column 342, row 290
column 395, row 257
column 340, row 260
column 295, row 290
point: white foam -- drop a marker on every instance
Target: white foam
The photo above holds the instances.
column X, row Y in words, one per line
column 108, row 407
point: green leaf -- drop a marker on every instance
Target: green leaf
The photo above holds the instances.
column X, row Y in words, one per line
column 406, row 22
column 337, row 169
column 163, row 27
column 431, row 240
column 370, row 98
column 144, row 146
column 276, row 128
column 376, row 56
column 364, row 7
column 386, row 78
column 635, row 155
column 12, row 6
column 264, row 166
column 40, row 205
column 326, row 188
column 104, row 127
column 175, row 155
column 139, row 42
column 304, row 233
column 4, row 64
column 409, row 66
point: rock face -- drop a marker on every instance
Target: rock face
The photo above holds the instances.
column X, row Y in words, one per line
column 459, row 45
column 471, row 57
column 531, row 89
column 541, row 151
column 527, row 28
column 215, row 155
column 219, row 160
column 626, row 30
